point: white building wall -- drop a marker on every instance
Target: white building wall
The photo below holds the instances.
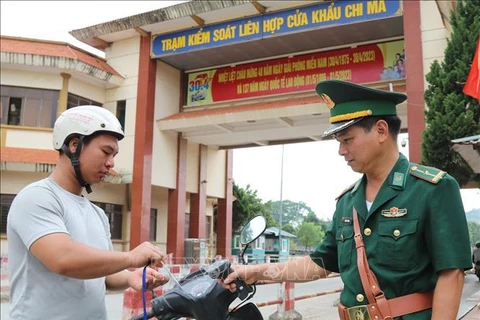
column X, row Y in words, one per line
column 434, row 35
column 31, row 79
column 216, row 172
column 192, row 167
column 86, row 90
column 123, row 56
column 160, row 202
column 108, row 193
column 167, row 100
column 22, row 138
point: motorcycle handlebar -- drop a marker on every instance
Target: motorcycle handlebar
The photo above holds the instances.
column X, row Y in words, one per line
column 199, row 294
column 150, row 314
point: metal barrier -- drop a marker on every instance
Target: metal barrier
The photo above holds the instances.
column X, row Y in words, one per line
column 286, row 302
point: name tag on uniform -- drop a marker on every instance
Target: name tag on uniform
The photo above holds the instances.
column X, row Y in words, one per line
column 347, row 220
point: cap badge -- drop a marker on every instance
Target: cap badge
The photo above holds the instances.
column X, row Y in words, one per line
column 328, row 101
column 394, row 212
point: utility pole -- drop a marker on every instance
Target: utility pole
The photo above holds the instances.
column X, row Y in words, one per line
column 281, row 206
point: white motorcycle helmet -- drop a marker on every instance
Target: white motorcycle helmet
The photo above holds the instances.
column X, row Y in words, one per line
column 81, row 122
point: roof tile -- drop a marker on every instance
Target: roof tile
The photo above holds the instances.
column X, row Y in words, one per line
column 28, row 155
column 53, row 49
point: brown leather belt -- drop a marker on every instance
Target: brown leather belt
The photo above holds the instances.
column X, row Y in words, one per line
column 398, row 306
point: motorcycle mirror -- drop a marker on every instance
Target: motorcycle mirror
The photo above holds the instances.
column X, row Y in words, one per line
column 252, row 230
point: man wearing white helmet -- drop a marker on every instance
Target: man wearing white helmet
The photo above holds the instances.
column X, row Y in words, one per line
column 61, row 259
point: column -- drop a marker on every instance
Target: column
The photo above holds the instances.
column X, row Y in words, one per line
column 63, row 96
column 415, row 77
column 198, row 201
column 176, row 205
column 224, row 211
column 142, row 154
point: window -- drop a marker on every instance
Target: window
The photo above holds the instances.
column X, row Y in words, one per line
column 236, row 242
column 14, row 109
column 153, row 225
column 115, row 218
column 121, row 111
column 5, row 203
column 75, row 101
column 28, row 107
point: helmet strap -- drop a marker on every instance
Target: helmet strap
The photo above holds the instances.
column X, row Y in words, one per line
column 75, row 158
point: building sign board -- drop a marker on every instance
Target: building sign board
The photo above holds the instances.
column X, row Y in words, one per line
column 363, row 64
column 309, row 17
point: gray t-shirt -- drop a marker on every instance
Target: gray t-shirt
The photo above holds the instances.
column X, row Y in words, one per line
column 40, row 209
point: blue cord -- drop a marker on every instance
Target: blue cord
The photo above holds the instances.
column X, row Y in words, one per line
column 144, row 289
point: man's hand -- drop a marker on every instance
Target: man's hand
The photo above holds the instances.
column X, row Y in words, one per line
column 249, row 274
column 146, row 253
column 153, row 277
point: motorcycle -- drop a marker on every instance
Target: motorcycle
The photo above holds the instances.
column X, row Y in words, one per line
column 199, row 295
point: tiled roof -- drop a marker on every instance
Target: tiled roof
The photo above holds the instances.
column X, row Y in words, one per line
column 468, row 140
column 53, row 49
column 28, row 155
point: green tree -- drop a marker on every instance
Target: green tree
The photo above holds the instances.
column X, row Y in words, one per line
column 293, row 213
column 474, row 231
column 289, row 228
column 450, row 113
column 310, row 234
column 246, row 206
column 312, row 217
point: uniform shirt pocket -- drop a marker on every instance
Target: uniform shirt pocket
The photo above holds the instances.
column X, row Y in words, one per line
column 345, row 246
column 397, row 244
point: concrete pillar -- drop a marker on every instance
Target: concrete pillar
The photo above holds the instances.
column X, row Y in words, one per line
column 224, row 212
column 63, row 96
column 142, row 154
column 198, row 201
column 415, row 78
column 176, row 206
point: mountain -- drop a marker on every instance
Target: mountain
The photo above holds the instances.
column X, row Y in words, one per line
column 473, row 215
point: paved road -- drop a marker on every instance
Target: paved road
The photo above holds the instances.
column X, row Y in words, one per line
column 321, row 307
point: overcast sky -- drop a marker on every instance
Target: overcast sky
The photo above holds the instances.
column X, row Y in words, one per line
column 312, row 172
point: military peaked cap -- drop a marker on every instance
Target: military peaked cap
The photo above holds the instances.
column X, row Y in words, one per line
column 349, row 103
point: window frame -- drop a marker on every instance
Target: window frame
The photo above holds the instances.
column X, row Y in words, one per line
column 111, row 215
column 74, row 100
column 3, row 204
column 45, row 103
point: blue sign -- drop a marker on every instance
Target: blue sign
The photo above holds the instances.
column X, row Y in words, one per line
column 259, row 27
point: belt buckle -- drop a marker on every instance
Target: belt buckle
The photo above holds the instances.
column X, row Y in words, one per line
column 359, row 313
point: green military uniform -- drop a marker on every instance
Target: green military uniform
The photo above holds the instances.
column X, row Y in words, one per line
column 415, row 228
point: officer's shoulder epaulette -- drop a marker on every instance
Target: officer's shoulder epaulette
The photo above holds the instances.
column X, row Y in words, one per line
column 429, row 174
column 353, row 185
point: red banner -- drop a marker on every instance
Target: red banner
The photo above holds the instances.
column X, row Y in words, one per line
column 472, row 86
column 360, row 65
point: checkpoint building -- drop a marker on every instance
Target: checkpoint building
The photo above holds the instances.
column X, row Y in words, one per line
column 194, row 81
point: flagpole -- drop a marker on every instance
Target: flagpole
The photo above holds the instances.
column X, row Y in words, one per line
column 281, row 206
